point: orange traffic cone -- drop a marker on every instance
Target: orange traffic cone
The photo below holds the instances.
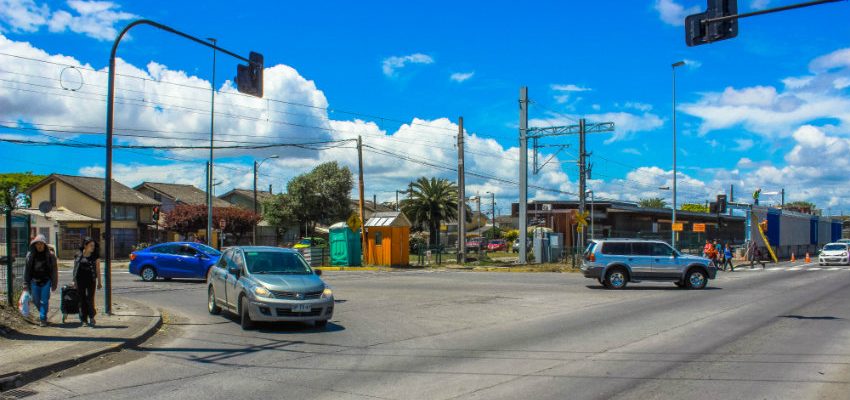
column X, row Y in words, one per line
column 808, row 259
column 793, row 259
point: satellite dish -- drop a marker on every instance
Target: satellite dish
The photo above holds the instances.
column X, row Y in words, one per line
column 45, row 207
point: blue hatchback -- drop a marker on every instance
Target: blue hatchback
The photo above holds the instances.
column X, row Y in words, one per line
column 173, row 260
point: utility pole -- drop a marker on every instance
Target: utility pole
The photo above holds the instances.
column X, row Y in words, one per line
column 675, row 174
column 732, row 193
column 582, row 177
column 493, row 215
column 523, row 174
column 254, row 231
column 210, row 165
column 783, row 197
column 461, row 196
column 375, row 202
column 360, row 188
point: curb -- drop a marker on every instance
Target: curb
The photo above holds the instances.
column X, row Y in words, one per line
column 21, row 378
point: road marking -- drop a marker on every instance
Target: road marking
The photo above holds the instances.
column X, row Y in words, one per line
column 835, row 269
column 814, row 269
column 795, row 268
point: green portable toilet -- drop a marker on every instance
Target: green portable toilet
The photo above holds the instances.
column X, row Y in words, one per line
column 345, row 246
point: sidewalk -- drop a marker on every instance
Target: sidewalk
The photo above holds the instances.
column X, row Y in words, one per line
column 30, row 352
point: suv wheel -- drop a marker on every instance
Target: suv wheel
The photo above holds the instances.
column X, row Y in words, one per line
column 696, row 279
column 616, row 278
column 213, row 308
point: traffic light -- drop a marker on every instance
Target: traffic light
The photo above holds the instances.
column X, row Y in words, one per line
column 697, row 32
column 249, row 78
column 155, row 214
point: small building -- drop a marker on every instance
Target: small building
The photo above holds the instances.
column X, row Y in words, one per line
column 388, row 239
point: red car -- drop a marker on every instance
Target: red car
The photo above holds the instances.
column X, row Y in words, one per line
column 475, row 244
column 497, row 245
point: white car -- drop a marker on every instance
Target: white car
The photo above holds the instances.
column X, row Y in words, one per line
column 834, row 253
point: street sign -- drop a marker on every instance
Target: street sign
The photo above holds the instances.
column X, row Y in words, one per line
column 699, row 227
column 678, row 227
column 581, row 219
column 353, row 223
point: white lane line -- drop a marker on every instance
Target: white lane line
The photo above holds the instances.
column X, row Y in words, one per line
column 71, row 271
column 776, row 269
column 834, row 269
column 795, row 268
column 814, row 269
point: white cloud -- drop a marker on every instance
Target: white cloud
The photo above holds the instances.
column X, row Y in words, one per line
column 460, row 77
column 638, row 106
column 568, row 88
column 96, row 19
column 776, row 112
column 692, row 64
column 23, row 15
column 391, row 65
column 744, row 144
column 631, row 150
column 673, row 13
column 759, row 4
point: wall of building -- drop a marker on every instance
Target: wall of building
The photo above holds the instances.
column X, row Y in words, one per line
column 70, row 198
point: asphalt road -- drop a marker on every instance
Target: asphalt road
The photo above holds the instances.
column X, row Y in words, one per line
column 776, row 333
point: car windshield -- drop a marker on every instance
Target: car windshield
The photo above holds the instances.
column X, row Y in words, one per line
column 209, row 250
column 276, row 262
column 304, row 241
column 834, row 247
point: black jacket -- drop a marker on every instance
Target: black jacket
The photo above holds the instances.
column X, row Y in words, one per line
column 91, row 263
column 52, row 269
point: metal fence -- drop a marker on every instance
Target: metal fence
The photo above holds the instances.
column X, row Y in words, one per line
column 16, row 255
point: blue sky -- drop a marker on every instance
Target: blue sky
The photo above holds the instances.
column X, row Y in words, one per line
column 410, row 70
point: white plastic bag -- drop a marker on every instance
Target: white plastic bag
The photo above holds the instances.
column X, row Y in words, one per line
column 24, row 303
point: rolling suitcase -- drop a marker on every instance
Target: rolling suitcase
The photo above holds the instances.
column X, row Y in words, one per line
column 70, row 302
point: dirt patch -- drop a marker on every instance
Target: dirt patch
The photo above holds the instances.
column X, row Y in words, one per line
column 11, row 321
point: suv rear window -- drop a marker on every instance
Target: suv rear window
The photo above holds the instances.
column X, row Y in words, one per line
column 616, row 248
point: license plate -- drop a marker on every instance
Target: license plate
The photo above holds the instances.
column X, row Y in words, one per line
column 301, row 308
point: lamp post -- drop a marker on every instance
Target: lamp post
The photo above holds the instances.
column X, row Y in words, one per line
column 256, row 167
column 673, row 232
column 493, row 214
column 590, row 192
column 210, row 165
column 397, row 206
column 477, row 199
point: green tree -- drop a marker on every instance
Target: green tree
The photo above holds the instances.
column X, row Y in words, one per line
column 511, row 235
column 801, row 205
column 12, row 187
column 319, row 196
column 279, row 213
column 693, row 207
column 432, row 200
column 654, row 202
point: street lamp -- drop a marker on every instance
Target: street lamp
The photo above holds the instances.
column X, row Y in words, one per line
column 397, row 207
column 672, row 231
column 590, row 192
column 256, row 167
column 210, row 165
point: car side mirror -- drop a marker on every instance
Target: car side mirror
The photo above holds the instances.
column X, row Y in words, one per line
column 233, row 271
column 318, row 272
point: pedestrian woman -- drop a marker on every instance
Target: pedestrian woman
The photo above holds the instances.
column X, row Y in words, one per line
column 41, row 276
column 86, row 273
column 727, row 258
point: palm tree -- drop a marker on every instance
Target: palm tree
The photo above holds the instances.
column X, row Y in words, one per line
column 431, row 201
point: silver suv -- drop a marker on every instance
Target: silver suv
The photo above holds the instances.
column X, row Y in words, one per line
column 616, row 262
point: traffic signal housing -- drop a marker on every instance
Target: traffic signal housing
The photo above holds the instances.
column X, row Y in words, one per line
column 697, row 32
column 155, row 214
column 249, row 78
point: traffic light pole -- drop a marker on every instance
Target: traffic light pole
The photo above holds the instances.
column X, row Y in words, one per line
column 110, row 118
column 768, row 11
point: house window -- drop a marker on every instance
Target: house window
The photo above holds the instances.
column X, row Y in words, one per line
column 124, row 213
column 45, row 232
column 53, row 194
column 3, row 235
column 72, row 238
column 378, row 238
column 157, row 196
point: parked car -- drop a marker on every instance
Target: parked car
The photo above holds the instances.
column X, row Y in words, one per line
column 616, row 262
column 173, row 260
column 475, row 244
column 310, row 242
column 497, row 245
column 834, row 253
column 268, row 284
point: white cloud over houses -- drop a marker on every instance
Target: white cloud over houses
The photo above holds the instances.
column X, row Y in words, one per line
column 391, row 65
column 568, row 88
column 96, row 19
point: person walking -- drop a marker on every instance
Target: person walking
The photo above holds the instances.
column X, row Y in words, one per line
column 706, row 250
column 727, row 258
column 41, row 276
column 86, row 273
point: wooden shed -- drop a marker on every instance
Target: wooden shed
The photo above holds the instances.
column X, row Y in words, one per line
column 388, row 239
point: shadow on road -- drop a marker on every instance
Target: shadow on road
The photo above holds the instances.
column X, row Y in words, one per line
column 639, row 288
column 803, row 317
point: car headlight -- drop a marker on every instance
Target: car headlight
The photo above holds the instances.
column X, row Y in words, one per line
column 327, row 293
column 262, row 292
